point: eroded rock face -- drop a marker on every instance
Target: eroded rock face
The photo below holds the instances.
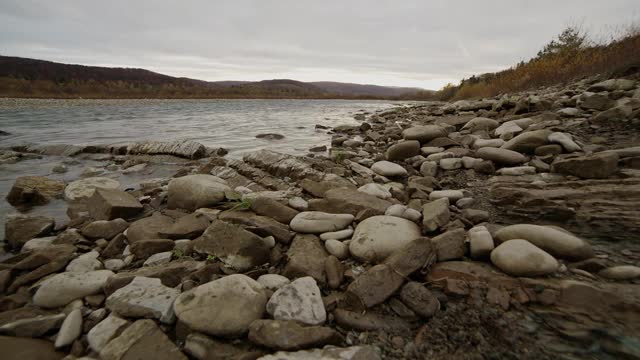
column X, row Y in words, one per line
column 186, row 149
column 377, row 237
column 596, row 166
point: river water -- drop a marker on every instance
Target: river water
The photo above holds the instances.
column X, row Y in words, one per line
column 232, row 124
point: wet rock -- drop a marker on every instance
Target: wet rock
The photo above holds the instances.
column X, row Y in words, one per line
column 387, row 168
column 557, row 242
column 347, row 201
column 306, row 258
column 270, row 136
column 596, row 166
column 377, row 237
column 449, row 245
column 422, row 301
column 104, row 229
column 236, row 247
column 187, row 227
column 70, row 330
column 84, row 188
column 104, row 331
column 109, row 204
column 148, row 228
column 18, row 348
column 192, row 192
column 317, row 222
column 621, row 272
column 403, row 150
column 521, row 258
column 528, row 141
column 501, row 156
column 143, row 339
column 185, row 149
column 232, row 303
column 144, row 298
column 61, row 289
column 290, row 335
column 424, row 134
column 435, row 214
column 274, row 209
column 34, row 190
column 300, row 300
column 20, row 228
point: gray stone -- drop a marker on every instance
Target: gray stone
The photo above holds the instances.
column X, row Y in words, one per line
column 144, row 298
column 300, row 300
column 142, row 340
column 403, row 150
column 501, row 156
column 34, row 190
column 480, row 242
column 377, row 237
column 449, row 245
column 328, row 353
column 192, row 192
column 290, row 335
column 557, row 242
column 104, row 229
column 70, row 330
column 185, row 149
column 306, row 257
column 621, row 272
column 61, row 289
column 109, row 204
column 419, row 299
column 223, row 307
column 424, row 133
column 527, row 142
column 316, row 222
column 521, row 258
column 596, row 166
column 84, row 188
column 435, row 214
column 387, row 168
column 104, row 331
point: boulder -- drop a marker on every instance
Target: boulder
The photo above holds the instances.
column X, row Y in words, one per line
column 347, row 201
column 501, row 156
column 424, row 134
column 403, row 150
column 104, row 331
column 290, row 335
column 224, row 307
column 450, row 245
column 142, row 340
column 306, row 257
column 419, row 299
column 274, row 209
column 557, row 242
column 316, row 222
column 435, row 214
column 149, row 228
column 61, row 289
column 519, row 257
column 34, row 190
column 377, row 237
column 144, row 298
column 109, row 204
column 70, row 330
column 84, row 188
column 104, row 229
column 300, row 300
column 596, row 166
column 185, row 149
column 192, row 192
column 528, row 141
column 21, row 228
column 387, row 168
column 236, row 247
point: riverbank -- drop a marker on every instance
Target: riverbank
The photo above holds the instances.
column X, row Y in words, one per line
column 502, row 226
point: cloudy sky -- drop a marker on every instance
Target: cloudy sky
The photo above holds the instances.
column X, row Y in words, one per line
column 423, row 43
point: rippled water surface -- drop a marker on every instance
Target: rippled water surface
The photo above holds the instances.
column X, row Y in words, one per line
column 232, row 124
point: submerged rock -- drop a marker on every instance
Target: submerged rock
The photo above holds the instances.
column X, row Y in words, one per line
column 34, row 190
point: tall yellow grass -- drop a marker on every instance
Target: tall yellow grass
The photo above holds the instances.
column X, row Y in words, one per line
column 550, row 69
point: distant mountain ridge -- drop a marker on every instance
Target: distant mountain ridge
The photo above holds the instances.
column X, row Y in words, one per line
column 24, row 77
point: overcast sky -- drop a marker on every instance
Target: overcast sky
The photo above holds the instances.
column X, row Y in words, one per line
column 423, row 43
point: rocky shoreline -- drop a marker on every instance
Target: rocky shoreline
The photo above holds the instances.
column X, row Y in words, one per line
column 502, row 228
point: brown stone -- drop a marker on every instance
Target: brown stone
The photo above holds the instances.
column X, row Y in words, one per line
column 306, row 258
column 19, row 228
column 109, row 204
column 596, row 166
column 34, row 190
column 142, row 249
column 148, row 228
column 187, row 227
column 334, row 270
column 369, row 321
column 141, row 340
column 16, row 348
column 268, row 207
column 450, row 245
column 291, row 335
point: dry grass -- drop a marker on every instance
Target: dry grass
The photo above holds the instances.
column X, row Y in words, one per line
column 548, row 69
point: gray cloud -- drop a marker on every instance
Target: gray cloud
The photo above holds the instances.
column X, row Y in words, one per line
column 413, row 43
